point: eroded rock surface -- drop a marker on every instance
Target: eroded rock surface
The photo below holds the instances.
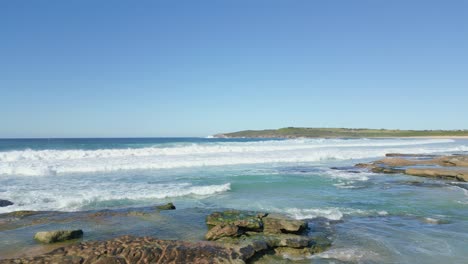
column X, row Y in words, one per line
column 128, row 249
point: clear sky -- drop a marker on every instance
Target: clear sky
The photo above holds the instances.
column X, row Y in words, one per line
column 195, row 68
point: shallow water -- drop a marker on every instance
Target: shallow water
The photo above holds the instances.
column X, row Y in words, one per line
column 377, row 218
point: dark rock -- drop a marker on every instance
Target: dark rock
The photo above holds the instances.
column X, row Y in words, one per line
column 410, row 155
column 387, row 170
column 57, row 236
column 168, row 206
column 347, row 169
column 4, row 203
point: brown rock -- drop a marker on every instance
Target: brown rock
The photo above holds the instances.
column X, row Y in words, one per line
column 452, row 174
column 458, row 161
column 129, row 249
column 276, row 223
column 399, row 162
column 221, row 230
column 387, row 170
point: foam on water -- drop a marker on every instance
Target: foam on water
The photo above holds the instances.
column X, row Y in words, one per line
column 72, row 198
column 351, row 254
column 331, row 213
column 58, row 162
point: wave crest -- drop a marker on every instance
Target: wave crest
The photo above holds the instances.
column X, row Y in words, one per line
column 56, row 162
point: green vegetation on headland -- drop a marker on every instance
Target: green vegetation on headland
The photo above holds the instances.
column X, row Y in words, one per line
column 298, row 132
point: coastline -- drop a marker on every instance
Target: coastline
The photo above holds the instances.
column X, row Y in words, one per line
column 317, row 132
column 440, row 137
column 296, row 137
column 321, row 186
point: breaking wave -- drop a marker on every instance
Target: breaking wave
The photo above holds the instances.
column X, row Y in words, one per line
column 56, row 162
column 111, row 194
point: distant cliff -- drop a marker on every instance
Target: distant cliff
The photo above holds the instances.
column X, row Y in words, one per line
column 298, row 132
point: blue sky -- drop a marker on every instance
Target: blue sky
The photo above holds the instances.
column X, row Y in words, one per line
column 195, row 68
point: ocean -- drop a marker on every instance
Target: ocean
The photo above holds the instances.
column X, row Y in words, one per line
column 376, row 218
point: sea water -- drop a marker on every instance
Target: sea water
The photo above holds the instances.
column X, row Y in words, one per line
column 377, row 218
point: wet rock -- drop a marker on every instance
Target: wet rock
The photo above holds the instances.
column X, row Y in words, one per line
column 459, row 175
column 168, row 206
column 434, row 221
column 347, row 169
column 4, row 203
column 244, row 219
column 136, row 213
column 446, row 161
column 57, row 236
column 387, row 170
column 21, row 214
column 364, row 165
column 282, row 240
column 276, row 223
column 399, row 162
column 410, row 155
column 458, row 161
column 427, row 167
column 129, row 249
column 277, row 231
column 221, row 230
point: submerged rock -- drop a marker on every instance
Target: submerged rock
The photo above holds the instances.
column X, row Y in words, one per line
column 57, row 236
column 168, row 206
column 4, row 203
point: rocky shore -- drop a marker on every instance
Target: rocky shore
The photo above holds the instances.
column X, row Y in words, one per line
column 231, row 236
column 452, row 167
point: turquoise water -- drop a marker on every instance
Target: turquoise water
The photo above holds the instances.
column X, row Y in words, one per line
column 377, row 218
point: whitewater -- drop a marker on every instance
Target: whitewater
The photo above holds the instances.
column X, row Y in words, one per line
column 377, row 218
column 30, row 162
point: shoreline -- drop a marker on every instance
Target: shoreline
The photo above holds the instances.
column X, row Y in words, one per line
column 221, row 235
column 294, row 137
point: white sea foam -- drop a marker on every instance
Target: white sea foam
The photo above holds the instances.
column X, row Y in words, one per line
column 349, row 176
column 332, row 213
column 87, row 194
column 352, row 254
column 57, row 162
